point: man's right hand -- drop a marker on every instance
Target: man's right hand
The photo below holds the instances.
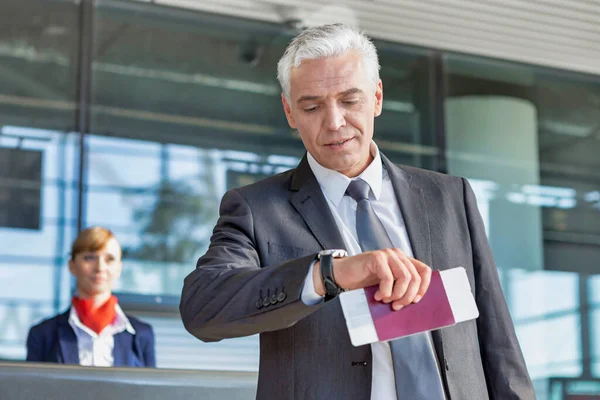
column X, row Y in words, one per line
column 402, row 280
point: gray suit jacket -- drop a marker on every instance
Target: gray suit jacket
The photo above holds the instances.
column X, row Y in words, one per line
column 250, row 281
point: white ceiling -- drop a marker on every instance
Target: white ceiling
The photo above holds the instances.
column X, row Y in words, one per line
column 556, row 33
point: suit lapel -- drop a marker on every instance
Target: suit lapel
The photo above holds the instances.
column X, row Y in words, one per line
column 312, row 206
column 414, row 211
column 416, row 218
column 67, row 341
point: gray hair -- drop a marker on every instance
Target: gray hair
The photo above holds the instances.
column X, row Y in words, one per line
column 323, row 42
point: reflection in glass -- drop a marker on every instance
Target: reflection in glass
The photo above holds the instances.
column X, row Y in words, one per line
column 38, row 45
column 530, row 134
column 35, row 280
column 38, row 53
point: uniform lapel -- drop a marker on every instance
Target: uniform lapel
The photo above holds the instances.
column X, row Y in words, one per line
column 123, row 349
column 67, row 341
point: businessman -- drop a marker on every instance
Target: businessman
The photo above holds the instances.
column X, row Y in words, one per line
column 347, row 218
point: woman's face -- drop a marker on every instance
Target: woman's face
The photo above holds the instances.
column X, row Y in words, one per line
column 96, row 271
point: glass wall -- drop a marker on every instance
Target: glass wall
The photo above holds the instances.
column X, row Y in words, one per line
column 185, row 105
column 528, row 138
column 39, row 162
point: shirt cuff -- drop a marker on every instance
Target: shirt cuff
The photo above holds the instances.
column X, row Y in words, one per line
column 309, row 296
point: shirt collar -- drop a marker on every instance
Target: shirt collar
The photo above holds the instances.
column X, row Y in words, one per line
column 120, row 324
column 334, row 184
column 122, row 321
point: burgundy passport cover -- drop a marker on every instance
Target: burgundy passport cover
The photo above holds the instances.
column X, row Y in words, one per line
column 432, row 312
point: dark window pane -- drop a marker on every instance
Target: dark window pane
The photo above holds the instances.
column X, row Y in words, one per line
column 38, row 63
column 20, row 188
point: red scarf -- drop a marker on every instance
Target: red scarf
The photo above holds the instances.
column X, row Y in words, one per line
column 95, row 319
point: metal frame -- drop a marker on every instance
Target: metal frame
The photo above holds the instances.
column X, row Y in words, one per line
column 82, row 123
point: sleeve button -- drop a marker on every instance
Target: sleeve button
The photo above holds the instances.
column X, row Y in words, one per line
column 281, row 297
column 266, row 302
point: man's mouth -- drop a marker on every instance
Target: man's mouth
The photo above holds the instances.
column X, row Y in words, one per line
column 339, row 143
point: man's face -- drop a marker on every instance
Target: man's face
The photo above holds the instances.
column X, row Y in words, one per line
column 333, row 105
column 96, row 271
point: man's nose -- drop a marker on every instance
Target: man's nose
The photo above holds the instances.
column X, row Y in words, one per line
column 334, row 119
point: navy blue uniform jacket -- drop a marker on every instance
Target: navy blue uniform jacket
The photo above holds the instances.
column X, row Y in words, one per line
column 54, row 340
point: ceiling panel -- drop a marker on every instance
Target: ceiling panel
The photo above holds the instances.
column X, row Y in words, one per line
column 556, row 33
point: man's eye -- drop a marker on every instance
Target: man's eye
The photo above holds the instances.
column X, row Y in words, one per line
column 311, row 109
column 351, row 102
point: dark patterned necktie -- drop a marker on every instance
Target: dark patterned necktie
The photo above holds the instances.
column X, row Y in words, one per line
column 415, row 369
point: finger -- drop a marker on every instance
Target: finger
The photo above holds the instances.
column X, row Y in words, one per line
column 412, row 288
column 384, row 274
column 402, row 275
column 424, row 272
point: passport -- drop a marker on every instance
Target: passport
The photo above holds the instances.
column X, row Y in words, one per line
column 448, row 301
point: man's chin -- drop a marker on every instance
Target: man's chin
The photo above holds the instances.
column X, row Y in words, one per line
column 351, row 170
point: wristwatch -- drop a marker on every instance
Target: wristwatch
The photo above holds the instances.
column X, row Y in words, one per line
column 326, row 260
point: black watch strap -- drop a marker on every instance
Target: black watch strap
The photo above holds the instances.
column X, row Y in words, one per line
column 332, row 290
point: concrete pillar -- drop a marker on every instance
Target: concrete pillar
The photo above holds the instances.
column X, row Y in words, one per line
column 492, row 141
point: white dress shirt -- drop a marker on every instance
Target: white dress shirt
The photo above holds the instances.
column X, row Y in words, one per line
column 97, row 349
column 384, row 202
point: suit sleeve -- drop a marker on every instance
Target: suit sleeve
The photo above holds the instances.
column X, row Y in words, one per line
column 149, row 349
column 221, row 298
column 505, row 370
column 35, row 346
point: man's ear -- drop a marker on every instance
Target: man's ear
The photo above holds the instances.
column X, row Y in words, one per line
column 72, row 266
column 288, row 111
column 378, row 98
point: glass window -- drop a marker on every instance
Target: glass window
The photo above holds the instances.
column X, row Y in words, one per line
column 38, row 63
column 531, row 135
column 33, row 259
column 39, row 163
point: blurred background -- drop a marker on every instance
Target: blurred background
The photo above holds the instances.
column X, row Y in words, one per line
column 139, row 115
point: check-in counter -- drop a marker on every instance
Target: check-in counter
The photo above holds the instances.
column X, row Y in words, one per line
column 37, row 381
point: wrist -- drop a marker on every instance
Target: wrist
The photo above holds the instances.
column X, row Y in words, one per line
column 326, row 264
